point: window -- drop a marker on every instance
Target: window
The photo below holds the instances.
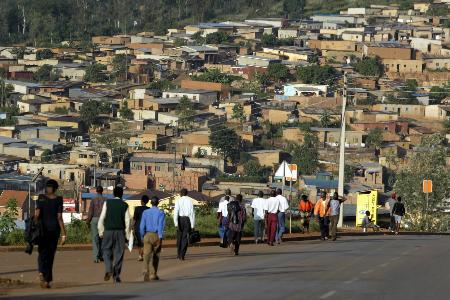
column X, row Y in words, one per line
column 82, row 156
column 157, row 168
column 194, row 98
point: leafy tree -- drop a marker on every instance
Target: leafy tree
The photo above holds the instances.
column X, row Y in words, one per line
column 269, row 40
column 95, row 73
column 427, row 163
column 225, row 141
column 3, row 73
column 370, row 66
column 317, row 74
column 217, row 38
column 325, row 119
column 278, row 72
column 178, row 42
column 125, row 112
column 162, row 85
column 9, row 217
column 375, row 138
column 44, row 54
column 306, row 155
column 119, row 66
column 294, row 8
column 447, row 126
column 45, row 73
column 5, row 92
column 273, row 131
column 440, row 93
column 349, row 173
column 253, row 168
column 47, row 155
column 262, row 78
column 89, row 113
column 19, row 52
column 185, row 111
column 198, row 37
column 214, row 75
column 405, row 94
column 61, row 110
column 238, row 113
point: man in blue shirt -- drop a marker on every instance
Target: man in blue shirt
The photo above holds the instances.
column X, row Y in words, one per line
column 151, row 230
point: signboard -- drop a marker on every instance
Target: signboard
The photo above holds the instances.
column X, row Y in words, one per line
column 427, row 186
column 68, row 205
column 366, row 201
column 288, row 171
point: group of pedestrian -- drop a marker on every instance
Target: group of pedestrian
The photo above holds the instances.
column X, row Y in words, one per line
column 112, row 225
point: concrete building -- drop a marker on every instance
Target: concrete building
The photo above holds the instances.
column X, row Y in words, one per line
column 204, row 97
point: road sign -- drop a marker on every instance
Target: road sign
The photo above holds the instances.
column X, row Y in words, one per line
column 427, row 186
column 293, row 168
column 283, row 171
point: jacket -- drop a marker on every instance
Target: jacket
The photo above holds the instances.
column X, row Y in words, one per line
column 321, row 208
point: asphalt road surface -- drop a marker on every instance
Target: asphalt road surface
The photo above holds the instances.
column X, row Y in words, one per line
column 369, row 267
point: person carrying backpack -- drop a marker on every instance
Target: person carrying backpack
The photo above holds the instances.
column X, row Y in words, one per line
column 398, row 211
column 236, row 220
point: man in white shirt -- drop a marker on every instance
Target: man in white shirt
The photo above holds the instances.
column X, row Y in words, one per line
column 271, row 207
column 334, row 208
column 258, row 217
column 284, row 205
column 184, row 220
column 114, row 226
column 227, row 194
column 222, row 216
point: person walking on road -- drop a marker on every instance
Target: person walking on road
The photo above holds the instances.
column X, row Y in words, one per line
column 236, row 219
column 184, row 219
column 305, row 207
column 151, row 230
column 258, row 217
column 321, row 211
column 222, row 217
column 398, row 212
column 271, row 208
column 114, row 227
column 95, row 209
column 138, row 211
column 391, row 202
column 49, row 208
column 284, row 205
column 334, row 209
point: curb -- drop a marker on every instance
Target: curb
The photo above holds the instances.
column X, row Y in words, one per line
column 246, row 240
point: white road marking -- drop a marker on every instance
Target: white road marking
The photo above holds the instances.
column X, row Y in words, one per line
column 384, row 265
column 351, row 280
column 367, row 271
column 395, row 258
column 326, row 295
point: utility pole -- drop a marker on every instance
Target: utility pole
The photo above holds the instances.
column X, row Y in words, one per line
column 175, row 158
column 342, row 151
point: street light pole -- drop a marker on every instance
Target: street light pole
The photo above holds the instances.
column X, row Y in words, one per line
column 342, row 152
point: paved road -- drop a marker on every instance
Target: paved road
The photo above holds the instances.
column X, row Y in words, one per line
column 372, row 267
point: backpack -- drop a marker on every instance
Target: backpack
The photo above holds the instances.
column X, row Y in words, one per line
column 233, row 212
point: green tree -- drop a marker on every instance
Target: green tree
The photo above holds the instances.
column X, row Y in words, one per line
column 269, row 40
column 225, row 141
column 119, row 66
column 440, row 93
column 19, row 52
column 214, row 75
column 47, row 155
column 375, row 138
column 278, row 72
column 294, row 8
column 162, row 85
column 325, row 119
column 446, row 125
column 429, row 162
column 217, row 38
column 125, row 112
column 349, row 173
column 3, row 73
column 5, row 92
column 253, row 168
column 9, row 217
column 178, row 42
column 45, row 73
column 61, row 110
column 44, row 54
column 89, row 113
column 317, row 74
column 370, row 66
column 238, row 113
column 185, row 111
column 306, row 155
column 95, row 73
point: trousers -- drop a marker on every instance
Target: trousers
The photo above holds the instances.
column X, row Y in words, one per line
column 272, row 220
column 113, row 247
column 234, row 237
column 333, row 226
column 183, row 230
column 152, row 249
column 281, row 225
column 96, row 241
column 222, row 227
column 47, row 250
column 258, row 229
column 324, row 227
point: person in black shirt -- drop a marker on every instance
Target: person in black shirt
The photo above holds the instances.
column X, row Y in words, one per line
column 49, row 210
column 138, row 211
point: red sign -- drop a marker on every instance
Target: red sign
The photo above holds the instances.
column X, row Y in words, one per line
column 69, row 205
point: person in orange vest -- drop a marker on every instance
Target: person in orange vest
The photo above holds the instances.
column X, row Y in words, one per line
column 321, row 210
column 305, row 207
